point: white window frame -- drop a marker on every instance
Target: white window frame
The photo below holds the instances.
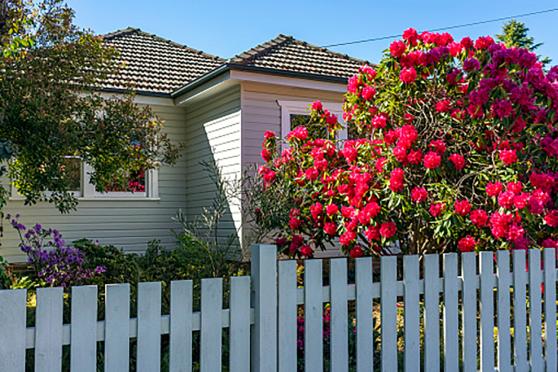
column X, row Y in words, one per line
column 289, row 108
column 151, row 187
column 88, row 192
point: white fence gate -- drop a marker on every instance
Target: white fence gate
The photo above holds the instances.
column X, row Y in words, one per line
column 477, row 312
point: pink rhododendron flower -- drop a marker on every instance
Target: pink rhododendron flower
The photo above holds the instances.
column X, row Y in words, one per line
column 479, row 218
column 467, row 244
column 408, row 75
column 388, row 229
column 458, row 161
column 419, row 194
column 462, row 207
column 432, row 160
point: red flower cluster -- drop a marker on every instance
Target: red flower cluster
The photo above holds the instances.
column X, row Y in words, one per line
column 467, row 160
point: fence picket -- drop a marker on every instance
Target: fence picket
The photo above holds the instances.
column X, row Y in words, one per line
column 12, row 323
column 264, row 291
column 535, row 310
column 313, row 316
column 211, row 324
column 287, row 333
column 339, row 316
column 239, row 329
column 117, row 327
column 49, row 334
column 83, row 345
column 519, row 310
column 364, row 321
column 487, row 311
column 431, row 313
column 504, row 334
column 550, row 308
column 180, row 358
column 388, row 296
column 451, row 341
column 469, row 311
column 412, row 313
column 48, row 329
column 149, row 328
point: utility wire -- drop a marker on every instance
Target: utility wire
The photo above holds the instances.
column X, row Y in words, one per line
column 445, row 28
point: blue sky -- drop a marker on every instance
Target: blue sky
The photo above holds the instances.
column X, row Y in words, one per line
column 226, row 28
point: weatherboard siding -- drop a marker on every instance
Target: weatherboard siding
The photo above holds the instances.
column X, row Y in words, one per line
column 213, row 134
column 129, row 224
column 261, row 112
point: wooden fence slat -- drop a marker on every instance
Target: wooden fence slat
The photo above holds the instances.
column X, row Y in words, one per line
column 431, row 313
column 339, row 316
column 550, row 309
column 149, row 327
column 211, row 323
column 83, row 345
column 520, row 310
column 12, row 326
column 313, row 316
column 451, row 340
column 388, row 297
column 364, row 321
column 48, row 329
column 504, row 315
column 239, row 332
column 180, row 358
column 535, row 310
column 487, row 311
column 263, row 269
column 469, row 311
column 412, row 313
column 287, row 314
column 117, row 327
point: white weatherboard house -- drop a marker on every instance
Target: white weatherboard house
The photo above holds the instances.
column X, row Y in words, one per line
column 219, row 109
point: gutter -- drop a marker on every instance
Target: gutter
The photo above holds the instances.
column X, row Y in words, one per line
column 234, row 66
column 137, row 92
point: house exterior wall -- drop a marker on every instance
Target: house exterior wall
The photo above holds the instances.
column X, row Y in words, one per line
column 213, row 134
column 261, row 112
column 129, row 224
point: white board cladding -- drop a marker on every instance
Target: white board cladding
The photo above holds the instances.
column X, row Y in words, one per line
column 129, row 224
column 213, row 134
column 261, row 111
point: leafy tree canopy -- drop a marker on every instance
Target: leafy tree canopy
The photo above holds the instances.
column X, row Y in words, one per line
column 51, row 108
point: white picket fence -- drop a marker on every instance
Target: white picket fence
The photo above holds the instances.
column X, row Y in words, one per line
column 459, row 308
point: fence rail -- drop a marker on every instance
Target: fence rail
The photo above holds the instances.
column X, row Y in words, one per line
column 442, row 312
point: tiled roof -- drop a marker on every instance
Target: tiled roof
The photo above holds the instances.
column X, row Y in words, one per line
column 153, row 64
column 285, row 53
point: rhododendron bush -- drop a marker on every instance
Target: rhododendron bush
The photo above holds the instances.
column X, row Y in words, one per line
column 452, row 146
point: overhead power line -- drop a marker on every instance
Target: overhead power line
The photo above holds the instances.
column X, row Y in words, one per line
column 445, row 28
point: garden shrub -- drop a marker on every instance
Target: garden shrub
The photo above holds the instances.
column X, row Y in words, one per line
column 453, row 146
column 53, row 262
column 5, row 276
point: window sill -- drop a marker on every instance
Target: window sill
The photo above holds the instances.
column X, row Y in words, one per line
column 103, row 198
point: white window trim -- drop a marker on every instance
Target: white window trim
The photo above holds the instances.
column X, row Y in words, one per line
column 88, row 191
column 289, row 108
column 151, row 187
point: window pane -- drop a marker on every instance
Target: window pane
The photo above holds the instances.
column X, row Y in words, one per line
column 72, row 169
column 315, row 130
column 135, row 182
column 298, row 120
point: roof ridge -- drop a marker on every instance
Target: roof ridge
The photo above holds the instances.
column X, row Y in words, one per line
column 129, row 30
column 342, row 55
column 261, row 49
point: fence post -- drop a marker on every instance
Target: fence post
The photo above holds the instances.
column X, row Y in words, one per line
column 264, row 302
